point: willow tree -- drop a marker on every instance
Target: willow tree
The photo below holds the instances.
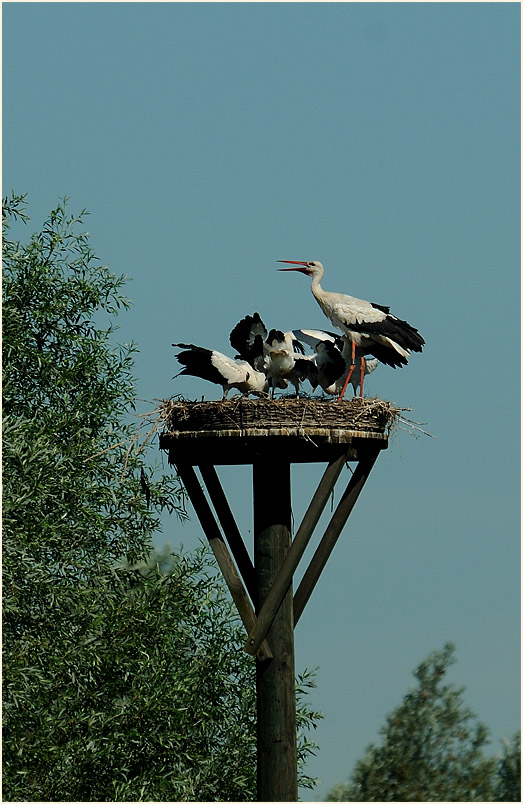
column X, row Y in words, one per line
column 124, row 677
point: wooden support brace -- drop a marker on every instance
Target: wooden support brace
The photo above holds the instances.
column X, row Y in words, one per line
column 283, row 579
column 330, row 537
column 222, row 555
column 230, row 528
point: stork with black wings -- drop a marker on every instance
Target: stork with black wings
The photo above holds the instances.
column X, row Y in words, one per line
column 370, row 328
column 278, row 354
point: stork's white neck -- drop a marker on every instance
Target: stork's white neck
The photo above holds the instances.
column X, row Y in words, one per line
column 323, row 297
column 317, row 276
column 316, row 288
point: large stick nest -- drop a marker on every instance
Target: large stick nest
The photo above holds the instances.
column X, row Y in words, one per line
column 371, row 418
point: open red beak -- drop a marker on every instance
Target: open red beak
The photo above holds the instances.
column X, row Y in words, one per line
column 293, row 262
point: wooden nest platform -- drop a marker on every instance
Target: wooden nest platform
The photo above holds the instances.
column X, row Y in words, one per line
column 241, row 430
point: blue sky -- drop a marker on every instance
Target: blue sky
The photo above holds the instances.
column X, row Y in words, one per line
column 209, row 141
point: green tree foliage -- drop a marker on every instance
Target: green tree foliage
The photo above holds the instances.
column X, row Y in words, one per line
column 306, row 720
column 432, row 749
column 141, row 701
column 124, row 677
column 508, row 780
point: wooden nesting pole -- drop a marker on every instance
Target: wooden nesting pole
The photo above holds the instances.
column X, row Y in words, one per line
column 276, row 702
column 271, row 435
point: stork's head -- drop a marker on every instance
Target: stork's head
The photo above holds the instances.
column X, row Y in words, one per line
column 312, row 268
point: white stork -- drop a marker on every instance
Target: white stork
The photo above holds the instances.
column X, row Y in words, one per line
column 328, row 357
column 284, row 365
column 274, row 353
column 220, row 369
column 333, row 359
column 370, row 328
column 248, row 338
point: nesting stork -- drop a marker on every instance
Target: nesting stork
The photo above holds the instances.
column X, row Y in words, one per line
column 327, row 348
column 370, row 328
column 333, row 359
column 283, row 364
column 248, row 338
column 218, row 368
column 276, row 353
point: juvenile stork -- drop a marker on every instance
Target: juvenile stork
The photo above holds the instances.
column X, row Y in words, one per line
column 333, row 359
column 370, row 328
column 284, row 362
column 277, row 354
column 218, row 368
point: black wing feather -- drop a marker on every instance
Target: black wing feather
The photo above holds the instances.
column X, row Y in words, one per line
column 198, row 363
column 382, row 307
column 394, row 328
column 244, row 334
column 333, row 370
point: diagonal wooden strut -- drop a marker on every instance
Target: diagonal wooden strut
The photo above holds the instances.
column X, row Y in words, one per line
column 283, row 579
column 334, row 528
column 230, row 528
column 222, row 555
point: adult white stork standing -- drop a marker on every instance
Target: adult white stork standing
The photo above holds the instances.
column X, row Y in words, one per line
column 370, row 328
column 218, row 368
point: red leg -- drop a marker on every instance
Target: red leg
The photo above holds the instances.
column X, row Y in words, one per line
column 349, row 375
column 351, row 370
column 362, row 374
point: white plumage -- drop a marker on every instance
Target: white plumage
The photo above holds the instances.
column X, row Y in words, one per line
column 332, row 357
column 276, row 353
column 218, row 368
column 283, row 364
column 369, row 328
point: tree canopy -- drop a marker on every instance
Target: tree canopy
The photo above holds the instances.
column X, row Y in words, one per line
column 124, row 677
column 433, row 749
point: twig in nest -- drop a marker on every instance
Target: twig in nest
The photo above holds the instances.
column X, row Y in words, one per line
column 412, row 425
column 306, row 436
column 303, row 416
